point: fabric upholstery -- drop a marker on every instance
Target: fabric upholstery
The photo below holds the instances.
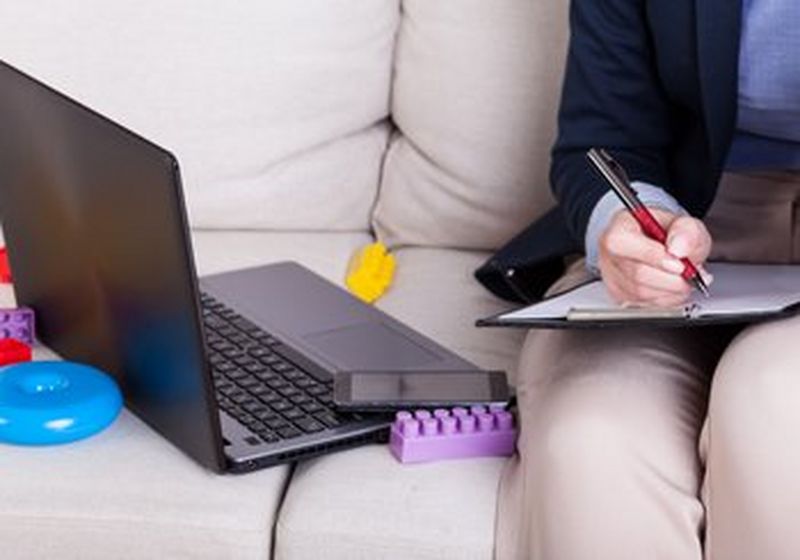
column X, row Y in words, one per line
column 326, row 254
column 474, row 99
column 270, row 106
column 363, row 505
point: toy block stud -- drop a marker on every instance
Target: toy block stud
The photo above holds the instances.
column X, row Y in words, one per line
column 13, row 351
column 18, row 324
column 423, row 436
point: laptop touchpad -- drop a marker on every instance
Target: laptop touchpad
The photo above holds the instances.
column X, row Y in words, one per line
column 370, row 346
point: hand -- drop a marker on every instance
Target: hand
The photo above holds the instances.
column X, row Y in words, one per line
column 638, row 270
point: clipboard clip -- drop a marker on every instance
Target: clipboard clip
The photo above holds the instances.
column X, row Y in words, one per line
column 689, row 311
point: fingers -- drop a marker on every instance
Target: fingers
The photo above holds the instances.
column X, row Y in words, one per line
column 688, row 237
column 623, row 242
column 654, row 279
column 637, row 247
column 634, row 283
column 641, row 271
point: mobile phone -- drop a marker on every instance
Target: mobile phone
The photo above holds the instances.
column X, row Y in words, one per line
column 392, row 390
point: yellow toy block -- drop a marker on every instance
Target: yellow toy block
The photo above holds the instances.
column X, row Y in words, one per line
column 370, row 272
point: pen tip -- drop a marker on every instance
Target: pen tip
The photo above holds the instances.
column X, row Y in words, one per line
column 698, row 282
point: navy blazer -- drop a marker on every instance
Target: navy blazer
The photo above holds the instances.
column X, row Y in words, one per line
column 655, row 83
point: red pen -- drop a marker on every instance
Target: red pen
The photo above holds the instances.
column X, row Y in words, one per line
column 616, row 177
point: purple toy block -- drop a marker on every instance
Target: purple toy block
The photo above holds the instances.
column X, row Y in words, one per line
column 452, row 434
column 18, row 324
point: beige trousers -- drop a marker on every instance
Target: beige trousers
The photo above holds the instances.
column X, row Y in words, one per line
column 666, row 444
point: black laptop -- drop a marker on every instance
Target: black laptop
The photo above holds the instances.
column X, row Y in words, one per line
column 234, row 369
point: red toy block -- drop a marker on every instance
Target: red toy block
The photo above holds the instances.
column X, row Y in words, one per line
column 13, row 351
column 5, row 268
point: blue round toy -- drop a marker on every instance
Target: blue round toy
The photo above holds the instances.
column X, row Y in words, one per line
column 47, row 403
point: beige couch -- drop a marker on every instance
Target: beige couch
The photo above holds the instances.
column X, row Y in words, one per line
column 305, row 129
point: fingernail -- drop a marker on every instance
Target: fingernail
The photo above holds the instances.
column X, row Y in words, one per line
column 678, row 246
column 672, row 265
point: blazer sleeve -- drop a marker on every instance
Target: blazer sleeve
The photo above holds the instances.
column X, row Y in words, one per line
column 611, row 98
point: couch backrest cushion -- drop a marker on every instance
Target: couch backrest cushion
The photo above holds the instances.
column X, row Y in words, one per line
column 275, row 109
column 474, row 99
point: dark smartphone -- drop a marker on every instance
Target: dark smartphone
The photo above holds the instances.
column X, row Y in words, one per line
column 392, row 390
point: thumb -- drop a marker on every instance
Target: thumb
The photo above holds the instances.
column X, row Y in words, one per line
column 688, row 237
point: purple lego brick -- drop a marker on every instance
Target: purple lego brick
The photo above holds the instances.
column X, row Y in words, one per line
column 17, row 323
column 452, row 434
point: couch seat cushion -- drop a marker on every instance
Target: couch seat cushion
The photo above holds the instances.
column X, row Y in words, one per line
column 129, row 494
column 362, row 503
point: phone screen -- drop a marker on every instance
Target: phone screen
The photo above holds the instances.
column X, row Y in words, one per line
column 422, row 387
column 419, row 386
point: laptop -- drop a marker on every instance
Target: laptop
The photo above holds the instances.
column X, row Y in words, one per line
column 234, row 369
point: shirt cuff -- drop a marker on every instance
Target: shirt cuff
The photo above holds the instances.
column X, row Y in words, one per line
column 609, row 204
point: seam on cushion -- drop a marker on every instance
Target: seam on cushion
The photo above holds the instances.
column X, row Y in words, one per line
column 394, row 130
column 279, row 509
column 347, row 538
column 122, row 520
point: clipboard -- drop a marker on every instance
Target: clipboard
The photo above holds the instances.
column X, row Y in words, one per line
column 741, row 293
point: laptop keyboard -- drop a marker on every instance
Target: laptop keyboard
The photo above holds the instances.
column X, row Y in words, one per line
column 274, row 398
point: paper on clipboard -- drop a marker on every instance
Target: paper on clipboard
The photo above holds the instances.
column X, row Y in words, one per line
column 739, row 290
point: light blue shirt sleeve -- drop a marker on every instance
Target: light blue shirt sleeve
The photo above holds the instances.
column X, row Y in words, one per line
column 609, row 204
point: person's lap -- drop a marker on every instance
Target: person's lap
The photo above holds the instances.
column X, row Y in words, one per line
column 608, row 464
column 609, row 421
column 749, row 443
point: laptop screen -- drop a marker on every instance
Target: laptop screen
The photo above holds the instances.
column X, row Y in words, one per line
column 96, row 231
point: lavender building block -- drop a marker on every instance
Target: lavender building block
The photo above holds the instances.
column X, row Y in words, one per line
column 17, row 323
column 423, row 436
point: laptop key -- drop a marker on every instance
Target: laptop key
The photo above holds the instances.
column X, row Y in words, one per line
column 237, row 374
column 268, row 436
column 266, row 375
column 277, row 383
column 265, row 414
column 293, row 413
column 268, row 396
column 255, row 367
column 271, row 360
column 289, row 432
column 328, row 418
column 224, row 366
column 252, row 406
column 290, row 391
column 317, row 389
column 312, row 406
column 244, row 324
column 309, row 424
column 295, row 375
column 300, row 398
column 281, row 367
column 276, row 422
column 266, row 338
column 304, row 382
column 280, row 406
column 238, row 338
column 261, row 352
column 244, row 360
